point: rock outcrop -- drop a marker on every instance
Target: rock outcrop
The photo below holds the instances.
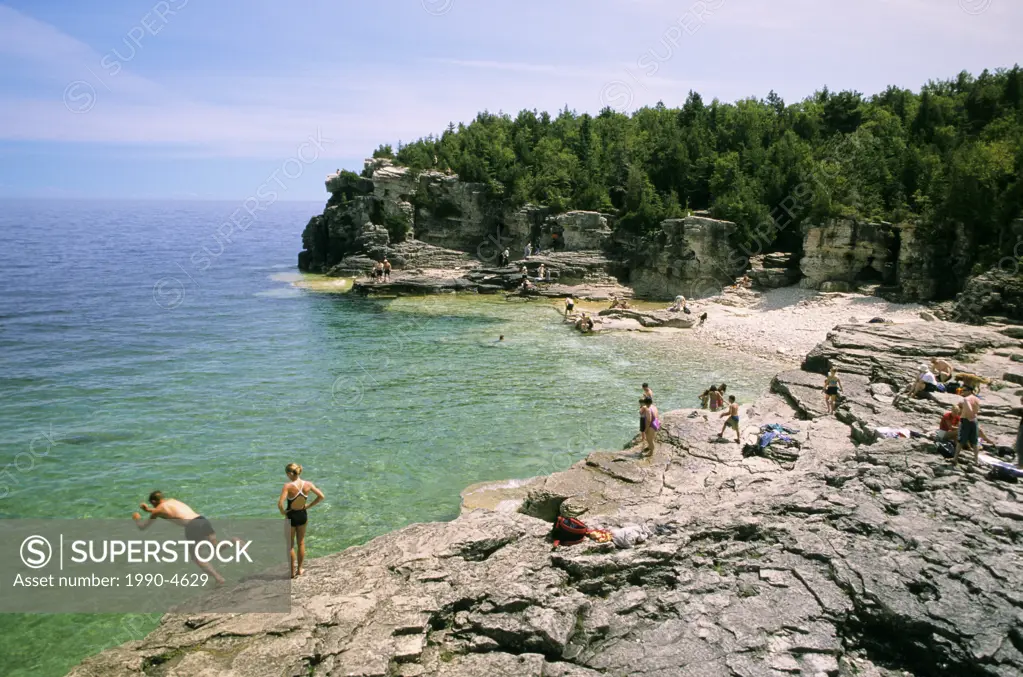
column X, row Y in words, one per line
column 577, row 231
column 997, row 294
column 695, row 260
column 772, row 271
column 834, row 556
column 844, row 253
column 653, row 318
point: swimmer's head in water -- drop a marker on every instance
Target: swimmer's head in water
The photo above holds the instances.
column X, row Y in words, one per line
column 501, row 337
column 293, row 470
column 155, row 498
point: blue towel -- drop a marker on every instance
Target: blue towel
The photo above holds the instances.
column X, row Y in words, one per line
column 778, row 428
column 767, row 438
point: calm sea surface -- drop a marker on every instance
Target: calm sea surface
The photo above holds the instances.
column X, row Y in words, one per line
column 139, row 352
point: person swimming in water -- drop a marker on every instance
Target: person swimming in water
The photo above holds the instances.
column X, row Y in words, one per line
column 500, row 338
column 197, row 527
column 733, row 419
column 647, row 392
column 292, row 505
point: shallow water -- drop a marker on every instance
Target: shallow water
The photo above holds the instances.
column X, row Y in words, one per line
column 127, row 368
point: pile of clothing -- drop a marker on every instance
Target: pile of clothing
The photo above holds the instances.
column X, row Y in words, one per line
column 771, row 433
column 570, row 531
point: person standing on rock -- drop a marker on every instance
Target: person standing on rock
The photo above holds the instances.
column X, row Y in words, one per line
column 293, row 506
column 529, row 250
column 505, row 257
column 733, row 419
column 541, row 272
column 832, row 386
column 569, row 305
column 968, row 427
column 649, row 424
column 387, row 270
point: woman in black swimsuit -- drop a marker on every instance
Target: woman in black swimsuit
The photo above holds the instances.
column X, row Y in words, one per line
column 293, row 506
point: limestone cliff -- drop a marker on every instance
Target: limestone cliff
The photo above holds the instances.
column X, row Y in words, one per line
column 694, row 257
column 432, row 219
column 840, row 254
column 839, row 555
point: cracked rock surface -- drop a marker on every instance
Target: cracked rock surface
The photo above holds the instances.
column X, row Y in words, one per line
column 849, row 556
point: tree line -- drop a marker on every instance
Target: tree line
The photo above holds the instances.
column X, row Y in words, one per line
column 949, row 155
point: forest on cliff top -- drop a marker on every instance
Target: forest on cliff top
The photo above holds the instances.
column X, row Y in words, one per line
column 950, row 155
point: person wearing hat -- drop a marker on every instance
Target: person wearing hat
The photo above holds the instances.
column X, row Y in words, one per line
column 968, row 427
column 926, row 382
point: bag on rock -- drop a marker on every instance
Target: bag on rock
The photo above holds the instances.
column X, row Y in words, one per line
column 568, row 531
column 946, row 449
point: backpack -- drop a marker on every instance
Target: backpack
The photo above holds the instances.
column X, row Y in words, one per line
column 946, row 449
column 568, row 530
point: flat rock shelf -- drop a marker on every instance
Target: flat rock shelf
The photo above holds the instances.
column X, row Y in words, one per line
column 844, row 555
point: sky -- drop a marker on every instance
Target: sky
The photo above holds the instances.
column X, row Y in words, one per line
column 194, row 99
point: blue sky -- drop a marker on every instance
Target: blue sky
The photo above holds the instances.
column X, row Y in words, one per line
column 197, row 99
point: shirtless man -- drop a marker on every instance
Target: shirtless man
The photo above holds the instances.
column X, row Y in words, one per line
column 197, row 527
column 733, row 419
column 941, row 368
column 647, row 392
column 387, row 270
column 968, row 428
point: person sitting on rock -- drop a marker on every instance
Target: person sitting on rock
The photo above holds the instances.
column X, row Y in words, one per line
column 524, row 272
column 948, row 429
column 926, row 382
column 678, row 305
column 942, row 369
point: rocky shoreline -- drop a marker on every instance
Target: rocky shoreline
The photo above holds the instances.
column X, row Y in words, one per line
column 841, row 554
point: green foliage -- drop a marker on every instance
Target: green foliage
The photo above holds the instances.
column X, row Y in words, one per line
column 951, row 154
column 397, row 226
column 384, row 151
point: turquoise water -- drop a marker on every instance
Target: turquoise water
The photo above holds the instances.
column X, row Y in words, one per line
column 125, row 367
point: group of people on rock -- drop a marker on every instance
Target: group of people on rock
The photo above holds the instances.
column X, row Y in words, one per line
column 382, row 271
column 960, row 424
column 712, row 398
column 291, row 503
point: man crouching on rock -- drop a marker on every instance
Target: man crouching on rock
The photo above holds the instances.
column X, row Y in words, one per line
column 197, row 527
